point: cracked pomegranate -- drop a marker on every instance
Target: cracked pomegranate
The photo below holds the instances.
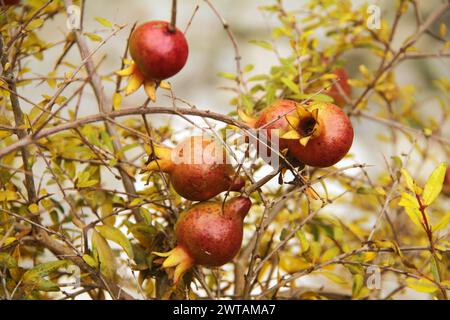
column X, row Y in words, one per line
column 208, row 234
column 198, row 167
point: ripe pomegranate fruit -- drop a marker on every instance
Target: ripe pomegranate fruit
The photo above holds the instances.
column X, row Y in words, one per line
column 199, row 168
column 158, row 53
column 208, row 234
column 320, row 135
column 340, row 89
column 9, row 2
column 274, row 119
column 446, row 187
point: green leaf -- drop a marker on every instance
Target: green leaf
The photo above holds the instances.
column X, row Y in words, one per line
column 115, row 235
column 263, row 44
column 34, row 277
column 35, row 24
column 6, row 261
column 90, row 261
column 434, row 184
column 304, row 243
column 44, row 269
column 104, row 22
column 227, row 75
column 291, row 85
column 104, row 255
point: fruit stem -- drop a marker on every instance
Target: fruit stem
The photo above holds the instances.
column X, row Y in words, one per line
column 173, row 20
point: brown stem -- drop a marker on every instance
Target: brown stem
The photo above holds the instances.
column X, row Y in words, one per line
column 173, row 18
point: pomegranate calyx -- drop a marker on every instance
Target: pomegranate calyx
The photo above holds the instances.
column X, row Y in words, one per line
column 247, row 119
column 137, row 79
column 178, row 258
column 304, row 125
column 160, row 158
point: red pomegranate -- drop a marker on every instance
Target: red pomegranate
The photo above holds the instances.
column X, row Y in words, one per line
column 273, row 118
column 9, row 2
column 340, row 89
column 198, row 167
column 321, row 135
column 208, row 234
column 158, row 52
column 446, row 188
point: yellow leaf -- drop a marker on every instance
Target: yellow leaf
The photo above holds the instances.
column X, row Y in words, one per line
column 442, row 30
column 104, row 22
column 90, row 261
column 117, row 101
column 93, row 36
column 115, row 235
column 8, row 195
column 34, row 208
column 415, row 215
column 445, row 220
column 421, row 285
column 333, row 277
column 35, row 24
column 304, row 243
column 409, row 181
column 291, row 263
column 434, row 184
column 104, row 255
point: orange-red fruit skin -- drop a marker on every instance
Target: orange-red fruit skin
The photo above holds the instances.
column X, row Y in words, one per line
column 334, row 91
column 333, row 142
column 157, row 52
column 210, row 236
column 204, row 180
column 279, row 109
column 198, row 182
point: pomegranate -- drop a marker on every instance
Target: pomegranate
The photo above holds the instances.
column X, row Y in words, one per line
column 208, row 234
column 274, row 119
column 158, row 53
column 9, row 2
column 340, row 89
column 320, row 135
column 446, row 187
column 199, row 168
